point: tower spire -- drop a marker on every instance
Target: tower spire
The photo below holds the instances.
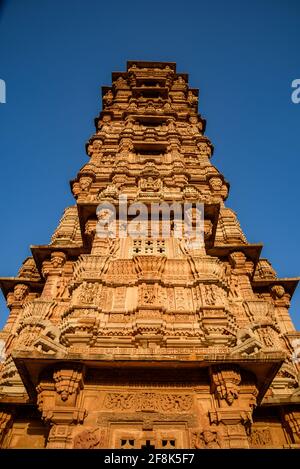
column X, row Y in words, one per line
column 149, row 320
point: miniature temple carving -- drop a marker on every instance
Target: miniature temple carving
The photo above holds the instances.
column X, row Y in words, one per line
column 116, row 340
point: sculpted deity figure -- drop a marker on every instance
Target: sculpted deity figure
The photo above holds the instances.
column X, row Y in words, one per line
column 204, row 149
column 196, row 125
column 53, row 271
column 277, row 291
column 234, row 291
column 215, row 183
column 167, row 106
column 85, row 183
column 86, row 440
column 180, row 80
column 104, row 124
column 130, row 123
column 58, row 259
column 171, row 125
column 192, row 99
column 218, row 187
column 148, row 296
column 150, row 184
column 108, row 98
column 20, row 291
column 94, row 148
column 106, row 225
column 120, row 83
column 206, row 439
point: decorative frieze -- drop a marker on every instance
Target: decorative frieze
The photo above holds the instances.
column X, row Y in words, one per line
column 148, row 401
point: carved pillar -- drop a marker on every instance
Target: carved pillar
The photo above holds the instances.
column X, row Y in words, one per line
column 6, row 420
column 58, row 402
column 15, row 302
column 242, row 269
column 232, row 414
column 204, row 151
column 60, row 436
column 291, row 418
column 90, row 232
column 281, row 301
column 53, row 271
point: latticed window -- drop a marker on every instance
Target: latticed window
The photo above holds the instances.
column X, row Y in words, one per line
column 149, row 246
column 161, row 246
column 126, row 443
column 168, row 444
column 137, row 246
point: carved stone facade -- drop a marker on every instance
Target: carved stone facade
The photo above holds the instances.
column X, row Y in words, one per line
column 120, row 342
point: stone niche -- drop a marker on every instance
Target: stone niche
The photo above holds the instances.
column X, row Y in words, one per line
column 143, row 409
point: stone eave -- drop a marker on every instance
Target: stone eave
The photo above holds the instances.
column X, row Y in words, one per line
column 289, row 284
column 7, row 284
column 279, row 401
column 42, row 252
column 7, row 400
column 31, row 363
column 251, row 251
column 87, row 211
column 149, row 64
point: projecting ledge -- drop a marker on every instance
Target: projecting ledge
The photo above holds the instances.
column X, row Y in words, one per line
column 263, row 365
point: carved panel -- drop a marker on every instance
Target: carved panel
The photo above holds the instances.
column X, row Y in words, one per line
column 260, row 437
column 148, row 401
column 87, row 439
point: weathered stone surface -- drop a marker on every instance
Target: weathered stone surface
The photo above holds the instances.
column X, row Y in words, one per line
column 121, row 342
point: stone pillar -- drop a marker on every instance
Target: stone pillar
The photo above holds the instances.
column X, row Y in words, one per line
column 281, row 301
column 243, row 269
column 233, row 424
column 6, row 420
column 15, row 301
column 53, row 272
column 291, row 419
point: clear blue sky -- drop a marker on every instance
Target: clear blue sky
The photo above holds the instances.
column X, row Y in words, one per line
column 243, row 55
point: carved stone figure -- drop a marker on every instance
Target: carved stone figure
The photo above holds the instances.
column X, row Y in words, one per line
column 108, row 98
column 192, row 99
column 85, row 183
column 86, row 440
column 150, row 184
column 278, row 291
column 196, row 126
column 215, row 184
column 206, row 439
column 120, row 83
column 20, row 292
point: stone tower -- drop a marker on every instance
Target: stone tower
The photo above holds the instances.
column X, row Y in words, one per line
column 128, row 342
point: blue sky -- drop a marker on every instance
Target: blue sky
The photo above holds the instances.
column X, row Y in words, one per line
column 243, row 55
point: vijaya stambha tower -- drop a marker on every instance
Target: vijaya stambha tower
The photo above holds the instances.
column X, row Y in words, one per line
column 146, row 343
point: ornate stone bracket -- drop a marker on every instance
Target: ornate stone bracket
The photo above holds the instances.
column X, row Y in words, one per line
column 57, row 401
column 225, row 382
column 68, row 382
